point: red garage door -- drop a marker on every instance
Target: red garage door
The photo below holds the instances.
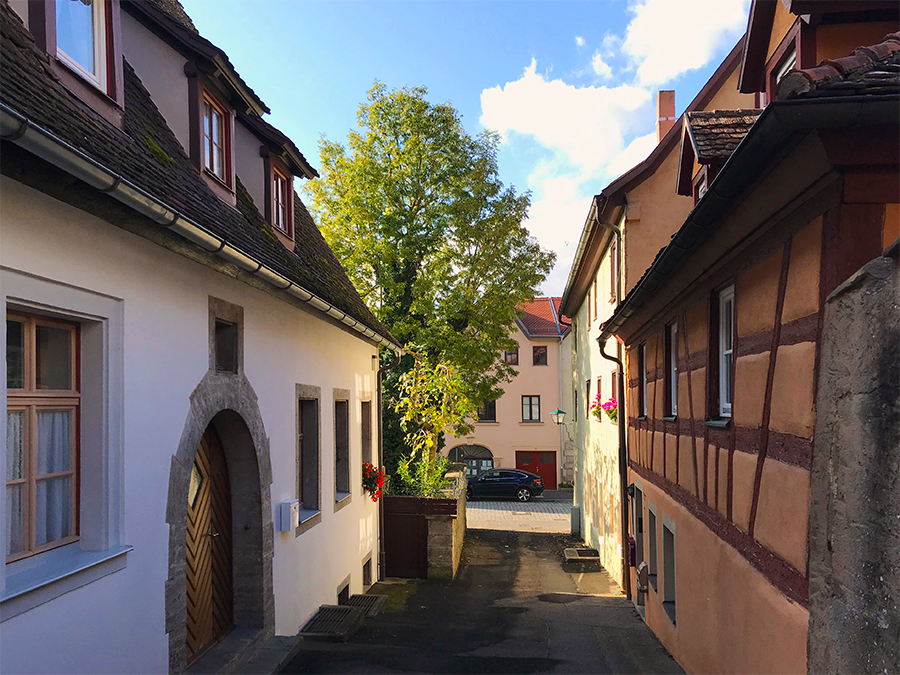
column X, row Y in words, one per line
column 541, row 463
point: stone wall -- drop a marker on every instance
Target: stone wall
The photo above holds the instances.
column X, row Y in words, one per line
column 854, row 556
column 446, row 533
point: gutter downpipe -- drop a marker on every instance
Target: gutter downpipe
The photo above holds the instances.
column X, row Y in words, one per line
column 621, row 420
column 381, row 554
column 38, row 141
column 623, row 462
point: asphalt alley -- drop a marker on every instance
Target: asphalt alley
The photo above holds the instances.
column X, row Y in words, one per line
column 511, row 609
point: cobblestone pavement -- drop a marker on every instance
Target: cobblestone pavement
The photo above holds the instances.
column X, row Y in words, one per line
column 535, row 516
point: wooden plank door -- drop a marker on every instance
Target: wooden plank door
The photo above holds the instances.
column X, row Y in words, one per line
column 210, row 613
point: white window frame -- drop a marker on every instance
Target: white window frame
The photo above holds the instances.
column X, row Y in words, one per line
column 788, row 64
column 98, row 18
column 726, row 296
column 673, row 368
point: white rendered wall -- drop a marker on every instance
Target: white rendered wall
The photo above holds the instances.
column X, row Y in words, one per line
column 161, row 70
column 116, row 624
column 596, row 441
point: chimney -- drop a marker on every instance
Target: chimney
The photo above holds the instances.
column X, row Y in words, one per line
column 665, row 113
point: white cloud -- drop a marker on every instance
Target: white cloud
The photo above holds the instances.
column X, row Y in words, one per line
column 601, row 68
column 665, row 39
column 555, row 219
column 587, row 133
column 635, row 153
column 583, row 126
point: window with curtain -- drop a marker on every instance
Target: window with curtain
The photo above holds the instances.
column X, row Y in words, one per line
column 531, row 408
column 42, row 404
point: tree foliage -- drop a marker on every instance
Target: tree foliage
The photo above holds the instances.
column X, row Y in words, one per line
column 431, row 399
column 414, row 208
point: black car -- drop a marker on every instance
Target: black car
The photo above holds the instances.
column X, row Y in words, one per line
column 521, row 485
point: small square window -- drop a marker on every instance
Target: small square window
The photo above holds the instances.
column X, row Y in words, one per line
column 539, row 356
column 226, row 346
column 512, row 358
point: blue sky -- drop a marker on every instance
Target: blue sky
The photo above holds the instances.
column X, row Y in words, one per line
column 571, row 86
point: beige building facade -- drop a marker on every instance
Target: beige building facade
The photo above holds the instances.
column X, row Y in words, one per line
column 516, row 430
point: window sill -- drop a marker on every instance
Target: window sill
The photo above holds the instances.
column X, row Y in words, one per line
column 669, row 607
column 308, row 518
column 489, row 423
column 670, row 418
column 57, row 572
column 718, row 423
column 528, row 423
column 219, row 181
column 341, row 499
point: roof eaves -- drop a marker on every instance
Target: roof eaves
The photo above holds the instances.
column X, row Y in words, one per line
column 613, row 192
column 779, row 121
column 759, row 28
column 199, row 45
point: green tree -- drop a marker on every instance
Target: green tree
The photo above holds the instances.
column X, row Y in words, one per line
column 414, row 208
column 431, row 399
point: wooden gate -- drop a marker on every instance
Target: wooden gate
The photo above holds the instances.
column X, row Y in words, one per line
column 541, row 463
column 406, row 534
column 210, row 613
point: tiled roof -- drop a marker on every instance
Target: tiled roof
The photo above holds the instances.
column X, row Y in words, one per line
column 716, row 133
column 174, row 10
column 540, row 318
column 869, row 70
column 872, row 70
column 170, row 16
column 147, row 154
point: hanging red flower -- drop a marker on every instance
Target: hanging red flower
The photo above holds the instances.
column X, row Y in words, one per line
column 372, row 480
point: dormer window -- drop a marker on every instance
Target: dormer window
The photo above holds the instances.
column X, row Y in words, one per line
column 280, row 200
column 215, row 137
column 81, row 38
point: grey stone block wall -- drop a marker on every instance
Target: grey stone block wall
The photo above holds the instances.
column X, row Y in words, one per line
column 854, row 530
column 446, row 534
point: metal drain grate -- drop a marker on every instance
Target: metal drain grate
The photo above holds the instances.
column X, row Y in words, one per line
column 334, row 623
column 371, row 604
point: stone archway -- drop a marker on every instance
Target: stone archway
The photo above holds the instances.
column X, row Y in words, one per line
column 228, row 403
column 477, row 458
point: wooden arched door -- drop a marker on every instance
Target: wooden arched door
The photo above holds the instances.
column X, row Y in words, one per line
column 210, row 614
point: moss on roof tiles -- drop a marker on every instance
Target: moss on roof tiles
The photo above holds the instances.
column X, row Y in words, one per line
column 147, row 154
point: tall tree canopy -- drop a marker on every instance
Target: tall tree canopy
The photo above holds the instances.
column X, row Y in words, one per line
column 414, row 208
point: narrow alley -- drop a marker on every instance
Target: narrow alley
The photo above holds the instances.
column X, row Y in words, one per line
column 511, row 609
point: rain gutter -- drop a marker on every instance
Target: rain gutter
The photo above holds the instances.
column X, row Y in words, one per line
column 42, row 143
column 774, row 126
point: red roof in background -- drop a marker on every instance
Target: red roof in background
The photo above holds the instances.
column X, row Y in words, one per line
column 542, row 318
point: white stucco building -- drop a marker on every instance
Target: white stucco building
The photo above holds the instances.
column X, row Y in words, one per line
column 184, row 354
